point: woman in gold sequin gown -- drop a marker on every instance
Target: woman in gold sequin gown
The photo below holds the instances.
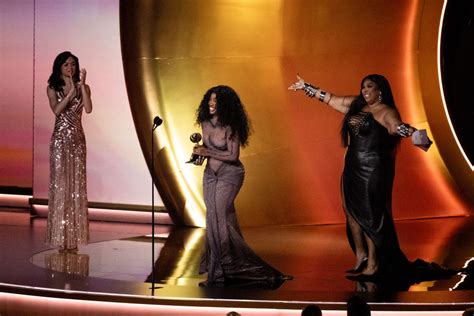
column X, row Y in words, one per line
column 68, row 95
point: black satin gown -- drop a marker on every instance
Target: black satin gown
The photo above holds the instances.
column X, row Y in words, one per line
column 366, row 185
column 367, row 182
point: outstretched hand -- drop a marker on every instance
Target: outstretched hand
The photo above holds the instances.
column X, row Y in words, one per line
column 299, row 85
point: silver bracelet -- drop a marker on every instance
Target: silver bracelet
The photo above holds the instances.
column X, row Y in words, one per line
column 322, row 95
column 403, row 130
column 310, row 90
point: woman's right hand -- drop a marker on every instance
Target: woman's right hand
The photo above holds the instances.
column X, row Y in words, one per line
column 299, row 85
column 199, row 160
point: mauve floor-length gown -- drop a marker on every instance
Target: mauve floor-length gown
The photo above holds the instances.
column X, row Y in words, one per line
column 227, row 255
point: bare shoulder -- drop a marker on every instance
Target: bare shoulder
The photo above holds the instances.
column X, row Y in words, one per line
column 50, row 92
column 386, row 111
column 390, row 118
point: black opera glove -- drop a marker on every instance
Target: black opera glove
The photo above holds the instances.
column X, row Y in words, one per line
column 310, row 90
column 403, row 130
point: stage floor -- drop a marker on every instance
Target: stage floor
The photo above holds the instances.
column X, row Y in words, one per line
column 117, row 265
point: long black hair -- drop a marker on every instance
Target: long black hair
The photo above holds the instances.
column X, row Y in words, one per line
column 230, row 112
column 55, row 81
column 356, row 106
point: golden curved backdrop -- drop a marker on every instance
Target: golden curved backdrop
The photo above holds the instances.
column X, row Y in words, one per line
column 173, row 51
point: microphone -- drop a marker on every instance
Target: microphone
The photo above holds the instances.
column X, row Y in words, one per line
column 157, row 122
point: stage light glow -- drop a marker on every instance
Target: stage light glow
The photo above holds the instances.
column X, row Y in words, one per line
column 15, row 200
column 416, row 107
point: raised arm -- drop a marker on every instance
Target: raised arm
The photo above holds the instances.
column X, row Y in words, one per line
column 338, row 103
column 58, row 106
column 86, row 91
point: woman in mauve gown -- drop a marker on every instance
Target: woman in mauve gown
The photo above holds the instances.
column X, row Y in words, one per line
column 225, row 127
column 68, row 95
column 371, row 130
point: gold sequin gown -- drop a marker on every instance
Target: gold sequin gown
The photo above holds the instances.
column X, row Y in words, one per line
column 68, row 224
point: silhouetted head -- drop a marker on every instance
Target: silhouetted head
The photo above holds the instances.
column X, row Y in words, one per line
column 311, row 310
column 356, row 306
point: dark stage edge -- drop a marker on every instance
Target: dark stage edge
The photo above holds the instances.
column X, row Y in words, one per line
column 119, row 261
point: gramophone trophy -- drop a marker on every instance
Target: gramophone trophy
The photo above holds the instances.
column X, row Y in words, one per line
column 194, row 138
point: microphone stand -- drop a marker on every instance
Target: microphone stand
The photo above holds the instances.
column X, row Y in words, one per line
column 153, row 212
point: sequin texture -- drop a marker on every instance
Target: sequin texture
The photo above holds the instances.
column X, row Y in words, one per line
column 69, row 263
column 68, row 223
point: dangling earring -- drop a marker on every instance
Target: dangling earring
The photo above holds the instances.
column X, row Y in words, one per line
column 380, row 96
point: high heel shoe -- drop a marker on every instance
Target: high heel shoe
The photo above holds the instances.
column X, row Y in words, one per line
column 359, row 267
column 286, row 277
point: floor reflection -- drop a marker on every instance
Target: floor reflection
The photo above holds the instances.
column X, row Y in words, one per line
column 316, row 256
column 271, row 284
column 419, row 272
column 69, row 263
column 178, row 261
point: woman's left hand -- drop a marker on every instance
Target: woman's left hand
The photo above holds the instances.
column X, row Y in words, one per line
column 82, row 76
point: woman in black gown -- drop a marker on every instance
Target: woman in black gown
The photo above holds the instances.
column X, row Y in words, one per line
column 371, row 130
column 227, row 257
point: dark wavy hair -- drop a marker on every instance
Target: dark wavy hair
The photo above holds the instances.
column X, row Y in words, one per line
column 230, row 112
column 356, row 106
column 55, row 81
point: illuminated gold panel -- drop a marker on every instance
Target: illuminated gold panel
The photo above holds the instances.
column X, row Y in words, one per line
column 431, row 86
column 173, row 51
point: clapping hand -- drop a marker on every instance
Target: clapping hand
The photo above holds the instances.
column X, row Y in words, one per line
column 82, row 76
column 299, row 85
column 72, row 92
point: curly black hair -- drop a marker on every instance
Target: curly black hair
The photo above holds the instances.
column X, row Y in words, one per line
column 55, row 81
column 356, row 106
column 230, row 112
